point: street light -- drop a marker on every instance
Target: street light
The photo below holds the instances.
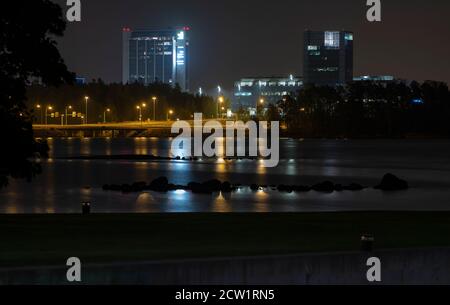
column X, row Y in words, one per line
column 40, row 114
column 221, row 100
column 169, row 114
column 46, row 109
column 143, row 105
column 86, row 98
column 154, row 108
column 67, row 107
column 104, row 114
column 140, row 112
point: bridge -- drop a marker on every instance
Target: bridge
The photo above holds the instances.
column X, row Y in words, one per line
column 125, row 129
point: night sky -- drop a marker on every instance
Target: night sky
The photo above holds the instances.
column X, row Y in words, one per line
column 234, row 39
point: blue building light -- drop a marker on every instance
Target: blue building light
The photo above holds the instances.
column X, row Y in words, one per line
column 417, row 101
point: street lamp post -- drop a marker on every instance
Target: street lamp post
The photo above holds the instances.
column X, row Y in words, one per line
column 154, row 108
column 40, row 114
column 143, row 105
column 139, row 108
column 66, row 112
column 220, row 102
column 46, row 114
column 169, row 113
column 140, row 113
column 104, row 114
column 261, row 106
column 86, row 98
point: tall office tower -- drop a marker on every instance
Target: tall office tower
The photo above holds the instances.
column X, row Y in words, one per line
column 328, row 58
column 151, row 55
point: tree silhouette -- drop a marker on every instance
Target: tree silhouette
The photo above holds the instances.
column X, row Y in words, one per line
column 28, row 53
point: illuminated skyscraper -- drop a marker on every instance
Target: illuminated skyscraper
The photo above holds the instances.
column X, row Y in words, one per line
column 156, row 55
column 328, row 57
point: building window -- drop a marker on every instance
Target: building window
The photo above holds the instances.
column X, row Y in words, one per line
column 327, row 69
column 332, row 40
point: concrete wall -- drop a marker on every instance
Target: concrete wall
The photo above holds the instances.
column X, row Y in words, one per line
column 431, row 266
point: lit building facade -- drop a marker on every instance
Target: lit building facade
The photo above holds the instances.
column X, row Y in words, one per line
column 249, row 91
column 151, row 55
column 328, row 57
column 374, row 78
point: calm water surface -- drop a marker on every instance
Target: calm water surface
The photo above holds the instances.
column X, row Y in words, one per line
column 62, row 186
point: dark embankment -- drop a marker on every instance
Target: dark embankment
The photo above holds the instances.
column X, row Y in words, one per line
column 51, row 239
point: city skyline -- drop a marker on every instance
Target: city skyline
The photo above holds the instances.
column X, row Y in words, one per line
column 231, row 41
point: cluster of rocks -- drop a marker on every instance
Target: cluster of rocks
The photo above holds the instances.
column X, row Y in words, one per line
column 323, row 187
column 161, row 184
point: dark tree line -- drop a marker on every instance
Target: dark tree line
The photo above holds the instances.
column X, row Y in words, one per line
column 27, row 51
column 122, row 100
column 367, row 109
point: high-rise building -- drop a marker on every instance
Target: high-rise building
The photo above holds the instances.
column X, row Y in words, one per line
column 156, row 55
column 328, row 57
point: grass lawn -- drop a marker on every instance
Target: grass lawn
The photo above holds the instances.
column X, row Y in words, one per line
column 50, row 239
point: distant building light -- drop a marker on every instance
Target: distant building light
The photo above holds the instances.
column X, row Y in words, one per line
column 385, row 78
column 180, row 35
column 243, row 94
column 80, row 80
column 331, row 40
column 417, row 101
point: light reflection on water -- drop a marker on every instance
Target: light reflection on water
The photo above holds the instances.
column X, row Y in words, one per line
column 66, row 183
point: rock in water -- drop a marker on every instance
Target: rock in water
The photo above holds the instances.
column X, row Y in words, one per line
column 226, row 187
column 160, row 184
column 212, row 186
column 324, row 187
column 254, row 187
column 392, row 183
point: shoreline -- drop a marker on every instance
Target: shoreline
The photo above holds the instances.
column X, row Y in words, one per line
column 46, row 239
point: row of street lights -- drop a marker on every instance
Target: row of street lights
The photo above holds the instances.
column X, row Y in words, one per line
column 64, row 118
column 144, row 105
